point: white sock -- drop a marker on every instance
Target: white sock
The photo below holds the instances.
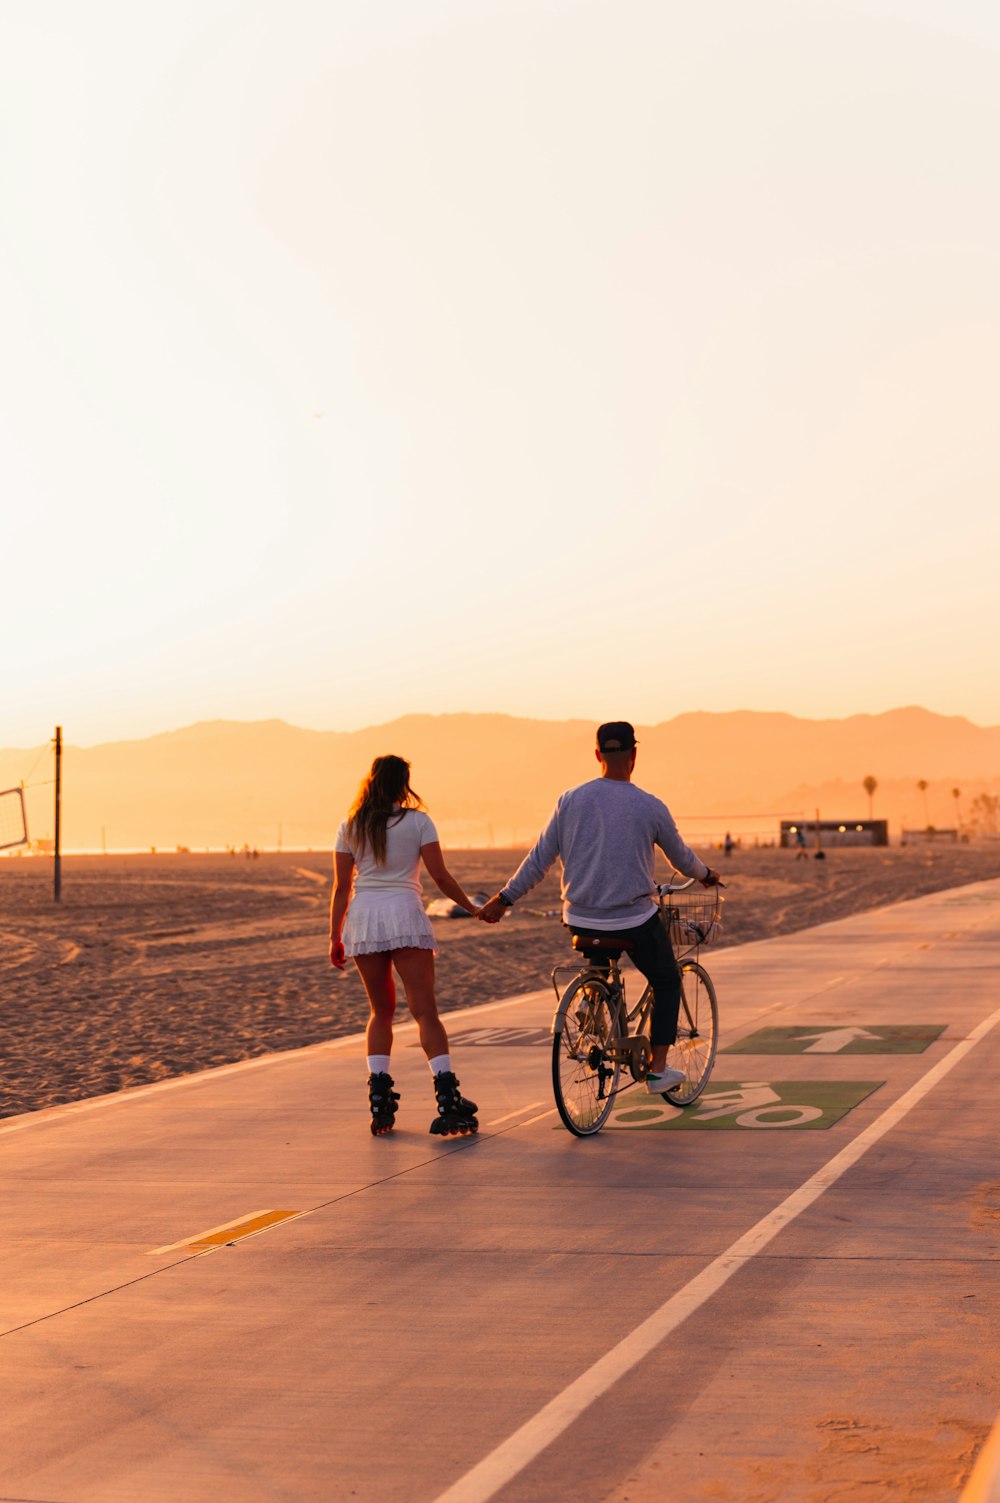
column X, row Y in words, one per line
column 378, row 1064
column 440, row 1062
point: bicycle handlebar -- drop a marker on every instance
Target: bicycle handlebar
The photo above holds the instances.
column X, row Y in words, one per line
column 665, row 889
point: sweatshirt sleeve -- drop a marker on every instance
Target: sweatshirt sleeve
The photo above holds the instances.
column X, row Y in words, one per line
column 537, row 862
column 670, row 843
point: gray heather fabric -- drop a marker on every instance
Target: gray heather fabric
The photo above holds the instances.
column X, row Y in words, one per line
column 605, row 832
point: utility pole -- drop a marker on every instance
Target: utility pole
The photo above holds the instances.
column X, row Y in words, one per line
column 57, row 873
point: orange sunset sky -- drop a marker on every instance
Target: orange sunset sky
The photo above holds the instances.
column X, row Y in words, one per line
column 551, row 358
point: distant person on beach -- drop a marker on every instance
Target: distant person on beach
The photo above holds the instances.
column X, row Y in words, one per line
column 605, row 833
column 377, row 919
column 801, row 854
column 727, row 844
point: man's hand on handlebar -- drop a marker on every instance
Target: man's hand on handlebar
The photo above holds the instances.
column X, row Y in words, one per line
column 712, row 880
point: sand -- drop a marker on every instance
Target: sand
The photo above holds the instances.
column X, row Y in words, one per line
column 155, row 966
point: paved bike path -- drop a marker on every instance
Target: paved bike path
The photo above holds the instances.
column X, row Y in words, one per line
column 428, row 1299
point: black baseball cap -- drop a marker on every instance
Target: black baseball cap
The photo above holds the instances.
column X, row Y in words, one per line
column 615, row 736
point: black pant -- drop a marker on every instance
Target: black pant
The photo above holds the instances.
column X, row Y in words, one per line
column 653, row 956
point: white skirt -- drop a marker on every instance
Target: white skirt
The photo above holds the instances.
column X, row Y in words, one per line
column 380, row 921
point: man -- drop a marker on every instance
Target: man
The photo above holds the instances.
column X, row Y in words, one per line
column 605, row 832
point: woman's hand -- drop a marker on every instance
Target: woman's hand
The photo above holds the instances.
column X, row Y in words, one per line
column 337, row 957
column 493, row 911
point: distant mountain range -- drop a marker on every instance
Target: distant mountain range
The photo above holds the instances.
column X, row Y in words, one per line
column 492, row 779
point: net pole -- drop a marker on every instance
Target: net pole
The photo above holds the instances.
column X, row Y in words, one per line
column 57, row 871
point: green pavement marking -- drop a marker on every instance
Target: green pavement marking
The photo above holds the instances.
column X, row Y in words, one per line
column 729, row 1104
column 895, row 1038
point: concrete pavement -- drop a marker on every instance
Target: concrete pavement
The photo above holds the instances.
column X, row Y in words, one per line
column 797, row 1302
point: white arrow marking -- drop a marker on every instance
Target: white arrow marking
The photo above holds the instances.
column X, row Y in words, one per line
column 832, row 1040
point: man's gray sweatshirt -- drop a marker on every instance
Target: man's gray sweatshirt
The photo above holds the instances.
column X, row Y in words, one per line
column 605, row 831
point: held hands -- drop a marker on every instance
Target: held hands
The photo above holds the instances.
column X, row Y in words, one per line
column 337, row 958
column 493, row 911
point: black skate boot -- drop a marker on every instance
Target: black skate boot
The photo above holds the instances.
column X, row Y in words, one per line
column 455, row 1114
column 382, row 1100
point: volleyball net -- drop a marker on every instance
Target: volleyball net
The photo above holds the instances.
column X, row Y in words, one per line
column 13, row 819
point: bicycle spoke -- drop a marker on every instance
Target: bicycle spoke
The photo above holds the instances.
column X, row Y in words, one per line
column 697, row 1035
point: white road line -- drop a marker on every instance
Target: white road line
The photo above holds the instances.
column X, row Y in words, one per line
column 541, row 1115
column 498, row 1121
column 521, row 1448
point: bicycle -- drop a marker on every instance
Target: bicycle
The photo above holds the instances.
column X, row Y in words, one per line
column 595, row 1034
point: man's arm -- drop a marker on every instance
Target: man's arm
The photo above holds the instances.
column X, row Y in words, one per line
column 531, row 871
column 680, row 855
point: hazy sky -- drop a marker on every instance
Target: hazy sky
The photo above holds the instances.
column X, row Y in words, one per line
column 552, row 357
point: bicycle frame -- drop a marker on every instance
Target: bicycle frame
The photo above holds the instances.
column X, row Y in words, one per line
column 595, row 1034
column 621, row 1039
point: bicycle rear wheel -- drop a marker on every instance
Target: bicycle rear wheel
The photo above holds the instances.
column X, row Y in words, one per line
column 584, row 1077
column 697, row 1034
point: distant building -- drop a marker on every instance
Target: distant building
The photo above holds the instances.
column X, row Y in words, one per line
column 929, row 834
column 835, row 832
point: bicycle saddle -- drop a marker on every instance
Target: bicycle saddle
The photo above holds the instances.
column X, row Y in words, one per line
column 603, row 944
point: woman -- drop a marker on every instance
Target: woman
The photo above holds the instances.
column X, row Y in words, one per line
column 380, row 846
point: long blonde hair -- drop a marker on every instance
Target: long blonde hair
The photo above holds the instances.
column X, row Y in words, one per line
column 385, row 791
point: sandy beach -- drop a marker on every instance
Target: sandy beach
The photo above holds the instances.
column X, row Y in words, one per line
column 154, row 966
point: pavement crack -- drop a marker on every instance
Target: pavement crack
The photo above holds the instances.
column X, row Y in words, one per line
column 79, row 1305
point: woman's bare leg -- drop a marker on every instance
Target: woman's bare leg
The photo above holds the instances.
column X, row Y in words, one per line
column 376, row 973
column 416, row 971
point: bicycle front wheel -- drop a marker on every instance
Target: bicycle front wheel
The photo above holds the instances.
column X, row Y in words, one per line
column 584, row 1075
column 697, row 1034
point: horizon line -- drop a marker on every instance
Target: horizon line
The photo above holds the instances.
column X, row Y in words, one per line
column 277, row 720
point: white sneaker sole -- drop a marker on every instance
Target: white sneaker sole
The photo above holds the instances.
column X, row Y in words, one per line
column 656, row 1085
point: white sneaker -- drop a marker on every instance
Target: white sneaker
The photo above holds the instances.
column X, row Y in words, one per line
column 657, row 1084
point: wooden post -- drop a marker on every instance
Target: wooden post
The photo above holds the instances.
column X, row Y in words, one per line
column 57, row 873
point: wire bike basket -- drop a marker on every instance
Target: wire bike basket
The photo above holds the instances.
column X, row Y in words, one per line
column 692, row 918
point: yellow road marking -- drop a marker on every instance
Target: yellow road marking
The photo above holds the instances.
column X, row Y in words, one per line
column 230, row 1231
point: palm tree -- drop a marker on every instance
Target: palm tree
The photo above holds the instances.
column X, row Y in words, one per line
column 922, row 785
column 956, row 794
column 869, row 785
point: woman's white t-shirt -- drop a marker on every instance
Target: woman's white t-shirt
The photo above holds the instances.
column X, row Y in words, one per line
column 405, row 833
